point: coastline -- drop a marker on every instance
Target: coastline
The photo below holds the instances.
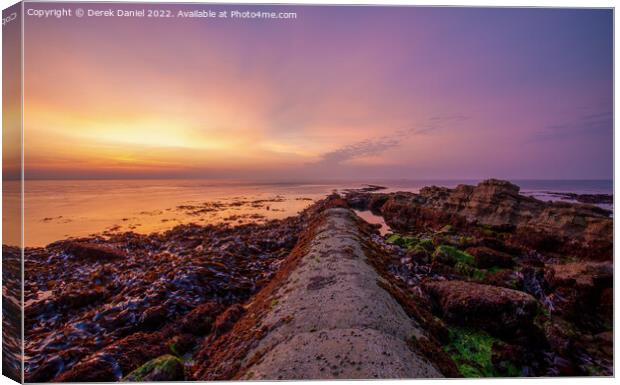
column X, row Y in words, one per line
column 468, row 244
column 58, row 210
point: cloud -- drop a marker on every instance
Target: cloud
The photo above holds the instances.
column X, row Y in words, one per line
column 589, row 124
column 379, row 145
column 367, row 147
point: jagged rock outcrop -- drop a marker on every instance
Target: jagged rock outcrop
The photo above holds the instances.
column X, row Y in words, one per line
column 497, row 205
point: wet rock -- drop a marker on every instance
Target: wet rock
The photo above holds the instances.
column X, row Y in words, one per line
column 99, row 368
column 74, row 296
column 93, row 251
column 163, row 368
column 497, row 310
column 153, row 317
column 486, row 257
column 50, row 369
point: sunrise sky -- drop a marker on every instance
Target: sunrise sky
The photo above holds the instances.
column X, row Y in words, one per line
column 339, row 92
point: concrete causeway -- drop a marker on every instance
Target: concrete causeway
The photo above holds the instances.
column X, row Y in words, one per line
column 334, row 321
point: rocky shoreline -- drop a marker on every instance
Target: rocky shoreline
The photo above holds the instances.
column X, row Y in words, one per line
column 524, row 285
column 498, row 284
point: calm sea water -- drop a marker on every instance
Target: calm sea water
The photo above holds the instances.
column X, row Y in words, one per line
column 57, row 210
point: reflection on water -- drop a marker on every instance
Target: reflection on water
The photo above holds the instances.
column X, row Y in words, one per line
column 57, row 210
column 369, row 217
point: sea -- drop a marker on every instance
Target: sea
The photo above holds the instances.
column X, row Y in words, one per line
column 60, row 209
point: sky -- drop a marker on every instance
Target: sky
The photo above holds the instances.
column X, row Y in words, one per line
column 337, row 93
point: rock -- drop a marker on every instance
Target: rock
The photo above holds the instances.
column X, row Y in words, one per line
column 577, row 290
column 561, row 366
column 497, row 310
column 584, row 275
column 50, row 368
column 507, row 359
column 93, row 251
column 504, row 278
column 99, row 368
column 559, row 334
column 153, row 317
column 494, row 243
column 225, row 321
column 420, row 255
column 497, row 206
column 585, row 198
column 605, row 341
column 200, row 320
column 606, row 304
column 449, row 255
column 163, row 368
column 75, row 297
column 120, row 357
column 486, row 257
column 182, row 343
column 376, row 202
column 359, row 200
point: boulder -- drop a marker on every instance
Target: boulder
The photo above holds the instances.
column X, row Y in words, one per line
column 578, row 290
column 582, row 275
column 498, row 310
column 486, row 257
column 163, row 368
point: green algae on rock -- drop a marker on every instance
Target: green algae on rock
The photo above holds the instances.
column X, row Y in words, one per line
column 473, row 353
column 162, row 368
column 450, row 255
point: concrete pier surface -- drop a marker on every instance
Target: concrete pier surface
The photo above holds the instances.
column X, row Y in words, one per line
column 323, row 317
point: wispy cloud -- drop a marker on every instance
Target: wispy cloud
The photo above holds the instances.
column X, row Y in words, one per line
column 379, row 145
column 588, row 124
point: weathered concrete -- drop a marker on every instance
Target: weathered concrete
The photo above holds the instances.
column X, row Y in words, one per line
column 333, row 320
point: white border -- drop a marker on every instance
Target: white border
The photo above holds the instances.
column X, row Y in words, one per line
column 468, row 3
